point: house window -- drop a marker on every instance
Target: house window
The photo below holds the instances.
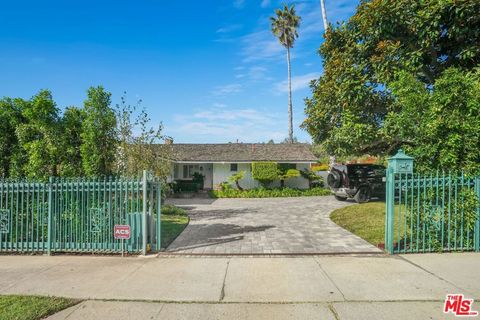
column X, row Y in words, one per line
column 189, row 170
column 234, row 167
column 287, row 166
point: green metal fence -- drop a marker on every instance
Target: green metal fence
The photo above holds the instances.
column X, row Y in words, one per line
column 79, row 215
column 430, row 213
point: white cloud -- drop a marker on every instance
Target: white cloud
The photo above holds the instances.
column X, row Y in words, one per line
column 253, row 73
column 229, row 124
column 265, row 3
column 258, row 73
column 261, row 45
column 312, row 22
column 229, row 28
column 298, row 82
column 219, row 105
column 239, row 4
column 227, row 89
column 225, row 115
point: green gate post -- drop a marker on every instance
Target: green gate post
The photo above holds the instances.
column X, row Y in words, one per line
column 399, row 163
column 159, row 216
column 145, row 212
column 390, row 199
column 49, row 222
column 476, row 239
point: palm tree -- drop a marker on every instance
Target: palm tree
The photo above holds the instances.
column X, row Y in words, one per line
column 324, row 14
column 284, row 27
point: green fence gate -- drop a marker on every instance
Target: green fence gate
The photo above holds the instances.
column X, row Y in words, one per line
column 79, row 215
column 430, row 213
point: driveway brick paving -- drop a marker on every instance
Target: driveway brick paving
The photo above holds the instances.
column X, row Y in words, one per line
column 265, row 226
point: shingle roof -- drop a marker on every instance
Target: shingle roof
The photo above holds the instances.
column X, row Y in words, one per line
column 231, row 152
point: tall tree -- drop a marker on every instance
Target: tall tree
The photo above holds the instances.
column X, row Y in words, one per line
column 39, row 135
column 141, row 146
column 284, row 27
column 439, row 125
column 71, row 157
column 98, row 135
column 10, row 118
column 363, row 57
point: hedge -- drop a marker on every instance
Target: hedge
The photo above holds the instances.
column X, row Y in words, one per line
column 265, row 172
column 269, row 193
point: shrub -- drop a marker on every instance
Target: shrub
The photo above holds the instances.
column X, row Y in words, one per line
column 320, row 167
column 287, row 174
column 431, row 213
column 225, row 186
column 236, row 178
column 170, row 209
column 268, row 193
column 264, row 172
column 314, row 180
column 185, row 186
column 198, row 178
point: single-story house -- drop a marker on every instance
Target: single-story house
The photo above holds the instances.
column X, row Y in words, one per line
column 217, row 162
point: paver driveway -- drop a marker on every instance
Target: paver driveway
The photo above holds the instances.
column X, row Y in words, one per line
column 273, row 225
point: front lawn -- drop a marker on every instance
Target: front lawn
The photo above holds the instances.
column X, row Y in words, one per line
column 366, row 220
column 31, row 307
column 269, row 193
column 174, row 220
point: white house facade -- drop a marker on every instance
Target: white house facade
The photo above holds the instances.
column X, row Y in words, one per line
column 218, row 162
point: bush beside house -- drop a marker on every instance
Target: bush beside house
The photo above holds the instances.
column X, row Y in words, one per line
column 268, row 193
column 266, row 173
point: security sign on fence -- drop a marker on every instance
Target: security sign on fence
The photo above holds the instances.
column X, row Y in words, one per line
column 121, row 232
column 430, row 213
column 80, row 215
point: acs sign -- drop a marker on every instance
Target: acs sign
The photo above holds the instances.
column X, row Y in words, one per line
column 121, row 232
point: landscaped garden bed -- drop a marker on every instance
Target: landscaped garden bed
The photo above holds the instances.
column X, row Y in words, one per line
column 268, row 193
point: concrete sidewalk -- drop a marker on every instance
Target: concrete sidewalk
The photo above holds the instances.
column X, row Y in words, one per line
column 114, row 310
column 344, row 285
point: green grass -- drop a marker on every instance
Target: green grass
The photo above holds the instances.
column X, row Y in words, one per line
column 172, row 226
column 366, row 220
column 170, row 209
column 31, row 307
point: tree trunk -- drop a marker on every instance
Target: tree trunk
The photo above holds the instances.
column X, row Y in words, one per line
column 238, row 185
column 290, row 116
column 324, row 14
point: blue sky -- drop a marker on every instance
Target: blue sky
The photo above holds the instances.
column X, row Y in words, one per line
column 210, row 70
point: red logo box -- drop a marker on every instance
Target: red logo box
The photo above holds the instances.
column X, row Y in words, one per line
column 121, row 232
column 459, row 306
